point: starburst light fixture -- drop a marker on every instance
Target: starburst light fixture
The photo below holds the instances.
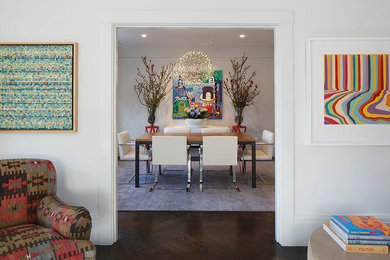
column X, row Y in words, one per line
column 195, row 67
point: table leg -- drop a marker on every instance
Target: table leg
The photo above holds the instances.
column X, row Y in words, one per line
column 254, row 165
column 136, row 164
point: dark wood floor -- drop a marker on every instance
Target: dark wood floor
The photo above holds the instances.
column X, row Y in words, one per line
column 198, row 235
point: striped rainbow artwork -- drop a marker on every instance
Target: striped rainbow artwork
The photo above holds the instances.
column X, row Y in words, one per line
column 356, row 89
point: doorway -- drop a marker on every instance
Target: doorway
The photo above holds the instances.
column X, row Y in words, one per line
column 280, row 21
column 166, row 45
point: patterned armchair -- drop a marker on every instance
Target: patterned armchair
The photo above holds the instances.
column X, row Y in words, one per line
column 34, row 223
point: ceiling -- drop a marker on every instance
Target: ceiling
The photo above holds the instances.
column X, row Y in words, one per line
column 179, row 37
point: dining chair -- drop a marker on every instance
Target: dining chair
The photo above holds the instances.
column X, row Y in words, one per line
column 171, row 150
column 126, row 153
column 239, row 129
column 218, row 150
column 177, row 130
column 264, row 153
column 151, row 129
column 213, row 130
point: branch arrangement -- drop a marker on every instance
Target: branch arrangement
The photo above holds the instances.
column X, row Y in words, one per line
column 151, row 87
column 240, row 88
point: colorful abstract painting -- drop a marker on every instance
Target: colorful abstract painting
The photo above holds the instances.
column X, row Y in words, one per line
column 356, row 89
column 206, row 95
column 38, row 86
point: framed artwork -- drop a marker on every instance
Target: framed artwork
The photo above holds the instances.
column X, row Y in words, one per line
column 38, row 87
column 206, row 95
column 348, row 92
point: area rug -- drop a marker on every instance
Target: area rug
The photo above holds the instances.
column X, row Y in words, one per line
column 219, row 192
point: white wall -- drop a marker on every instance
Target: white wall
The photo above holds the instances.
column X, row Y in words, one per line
column 327, row 180
column 132, row 116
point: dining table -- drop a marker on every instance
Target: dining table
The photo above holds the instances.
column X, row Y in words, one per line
column 244, row 139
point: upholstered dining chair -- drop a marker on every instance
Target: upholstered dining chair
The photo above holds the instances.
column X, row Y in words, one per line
column 177, row 130
column 213, row 130
column 218, row 150
column 126, row 152
column 264, row 153
column 171, row 150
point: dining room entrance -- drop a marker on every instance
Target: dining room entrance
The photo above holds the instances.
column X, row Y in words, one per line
column 216, row 50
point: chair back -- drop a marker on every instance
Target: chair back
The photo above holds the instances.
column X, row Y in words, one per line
column 151, row 129
column 239, row 129
column 215, row 130
column 124, row 138
column 24, row 182
column 269, row 138
column 177, row 130
column 169, row 150
column 220, row 150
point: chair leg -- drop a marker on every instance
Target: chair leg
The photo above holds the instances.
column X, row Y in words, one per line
column 159, row 170
column 155, row 182
column 189, row 173
column 200, row 171
column 147, row 171
column 234, row 178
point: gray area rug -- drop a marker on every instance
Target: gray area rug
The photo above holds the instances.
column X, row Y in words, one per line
column 219, row 192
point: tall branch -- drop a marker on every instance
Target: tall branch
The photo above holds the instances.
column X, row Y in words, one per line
column 151, row 87
column 240, row 88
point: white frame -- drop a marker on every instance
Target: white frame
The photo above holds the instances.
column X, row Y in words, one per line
column 347, row 135
column 280, row 21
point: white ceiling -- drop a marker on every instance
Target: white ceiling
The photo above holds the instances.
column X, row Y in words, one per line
column 181, row 37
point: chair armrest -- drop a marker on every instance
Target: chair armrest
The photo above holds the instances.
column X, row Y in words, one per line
column 132, row 143
column 70, row 222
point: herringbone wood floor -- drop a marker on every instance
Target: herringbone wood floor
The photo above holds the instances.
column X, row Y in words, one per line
column 198, row 235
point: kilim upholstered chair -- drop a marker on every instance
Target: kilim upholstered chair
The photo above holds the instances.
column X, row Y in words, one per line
column 34, row 223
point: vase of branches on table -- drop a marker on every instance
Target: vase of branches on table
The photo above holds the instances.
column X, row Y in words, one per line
column 151, row 86
column 240, row 88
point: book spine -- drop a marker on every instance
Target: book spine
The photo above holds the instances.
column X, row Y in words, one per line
column 367, row 242
column 367, row 249
column 365, row 237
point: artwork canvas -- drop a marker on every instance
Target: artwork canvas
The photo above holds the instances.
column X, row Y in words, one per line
column 348, row 95
column 356, row 89
column 206, row 95
column 38, row 86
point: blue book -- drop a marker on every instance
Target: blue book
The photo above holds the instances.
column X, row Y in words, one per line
column 350, row 238
column 361, row 225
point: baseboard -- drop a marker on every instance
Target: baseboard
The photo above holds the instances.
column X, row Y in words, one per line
column 95, row 228
column 305, row 224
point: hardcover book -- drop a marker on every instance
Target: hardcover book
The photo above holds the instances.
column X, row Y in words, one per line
column 362, row 225
column 347, row 238
column 367, row 249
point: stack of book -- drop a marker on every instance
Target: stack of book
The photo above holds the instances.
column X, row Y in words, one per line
column 359, row 234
